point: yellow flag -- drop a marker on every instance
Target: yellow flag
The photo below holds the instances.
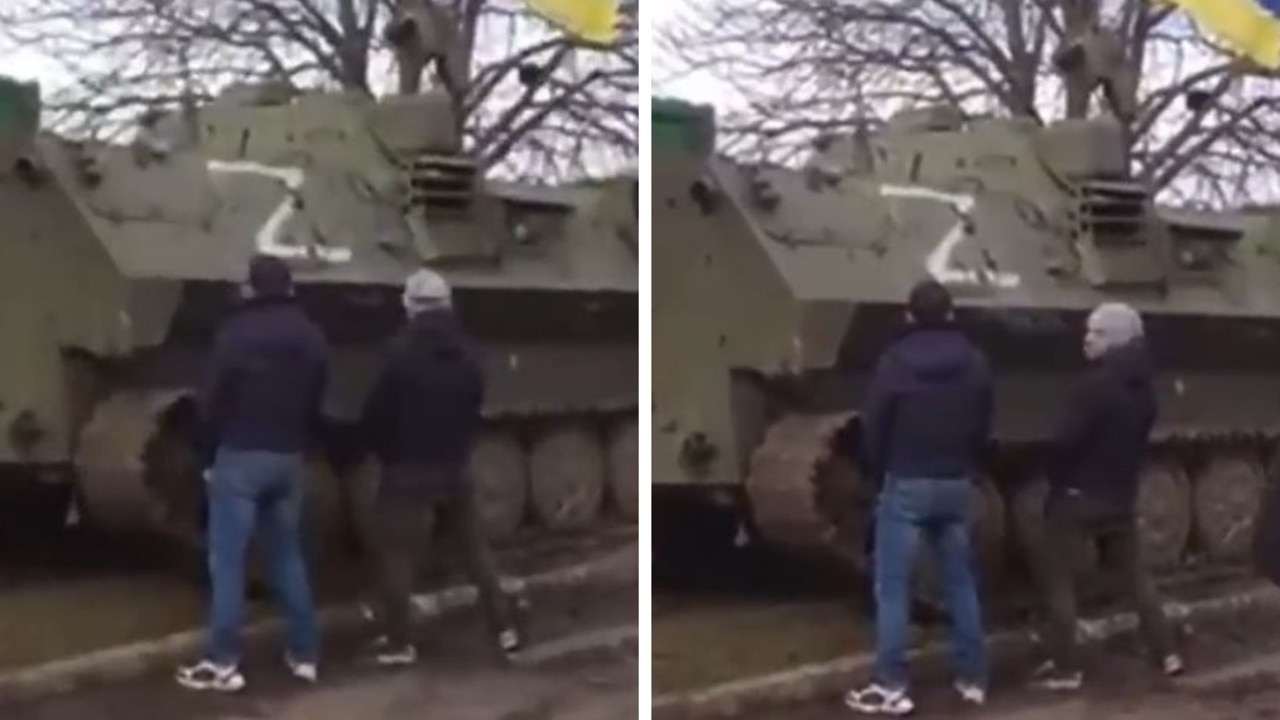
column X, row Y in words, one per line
column 592, row 20
column 1249, row 27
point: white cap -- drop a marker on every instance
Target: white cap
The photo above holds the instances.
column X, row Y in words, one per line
column 426, row 289
column 1116, row 324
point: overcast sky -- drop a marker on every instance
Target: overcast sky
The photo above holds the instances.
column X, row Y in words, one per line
column 26, row 65
column 697, row 86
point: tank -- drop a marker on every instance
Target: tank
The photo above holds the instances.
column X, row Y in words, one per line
column 119, row 262
column 776, row 289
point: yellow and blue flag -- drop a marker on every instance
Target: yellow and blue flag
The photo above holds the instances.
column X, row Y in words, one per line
column 591, row 20
column 1249, row 27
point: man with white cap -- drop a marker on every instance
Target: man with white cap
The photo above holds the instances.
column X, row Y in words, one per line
column 421, row 421
column 1093, row 475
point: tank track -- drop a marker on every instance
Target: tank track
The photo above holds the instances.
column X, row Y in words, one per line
column 558, row 474
column 1200, row 496
column 533, row 476
column 129, row 473
column 783, row 481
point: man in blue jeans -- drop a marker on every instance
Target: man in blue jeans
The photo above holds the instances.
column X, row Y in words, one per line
column 927, row 417
column 261, row 409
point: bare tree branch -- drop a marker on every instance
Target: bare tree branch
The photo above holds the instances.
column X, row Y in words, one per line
column 795, row 69
column 532, row 96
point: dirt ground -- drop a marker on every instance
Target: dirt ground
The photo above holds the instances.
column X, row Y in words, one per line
column 459, row 677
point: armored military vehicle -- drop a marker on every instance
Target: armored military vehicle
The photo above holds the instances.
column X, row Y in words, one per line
column 119, row 261
column 776, row 288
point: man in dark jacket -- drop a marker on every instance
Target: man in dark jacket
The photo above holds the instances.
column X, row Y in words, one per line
column 260, row 407
column 422, row 418
column 927, row 417
column 1097, row 457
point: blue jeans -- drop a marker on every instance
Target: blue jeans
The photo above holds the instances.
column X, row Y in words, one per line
column 911, row 509
column 248, row 487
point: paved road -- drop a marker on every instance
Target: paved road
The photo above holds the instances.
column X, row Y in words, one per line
column 1247, row 687
column 1233, row 674
column 459, row 677
column 604, row 689
column 1239, row 698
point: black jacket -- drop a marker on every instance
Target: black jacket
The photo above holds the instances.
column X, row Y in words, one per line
column 425, row 404
column 1102, row 440
column 266, row 379
column 1266, row 537
column 929, row 407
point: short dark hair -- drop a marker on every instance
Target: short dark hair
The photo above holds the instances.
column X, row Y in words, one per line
column 930, row 303
column 269, row 276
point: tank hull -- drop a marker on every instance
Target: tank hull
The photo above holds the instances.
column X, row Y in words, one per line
column 120, row 262
column 777, row 289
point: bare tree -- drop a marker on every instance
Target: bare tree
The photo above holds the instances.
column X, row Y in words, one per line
column 532, row 102
column 1200, row 121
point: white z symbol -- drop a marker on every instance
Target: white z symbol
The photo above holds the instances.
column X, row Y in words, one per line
column 268, row 237
column 939, row 263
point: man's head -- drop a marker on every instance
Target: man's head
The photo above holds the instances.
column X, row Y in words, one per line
column 929, row 304
column 269, row 277
column 1111, row 325
column 426, row 290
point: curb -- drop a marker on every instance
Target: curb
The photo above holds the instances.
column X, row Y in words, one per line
column 586, row 643
column 1242, row 670
column 135, row 659
column 818, row 681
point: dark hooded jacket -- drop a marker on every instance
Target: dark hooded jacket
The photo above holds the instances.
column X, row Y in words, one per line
column 1099, row 447
column 425, row 405
column 1266, row 534
column 266, row 380
column 928, row 409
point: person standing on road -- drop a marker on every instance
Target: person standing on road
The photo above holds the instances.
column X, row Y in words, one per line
column 261, row 410
column 421, row 420
column 1093, row 478
column 927, row 418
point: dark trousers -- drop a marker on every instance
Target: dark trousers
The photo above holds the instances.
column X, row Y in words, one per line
column 1070, row 522
column 410, row 498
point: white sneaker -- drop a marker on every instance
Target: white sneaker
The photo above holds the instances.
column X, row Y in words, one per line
column 971, row 693
column 393, row 657
column 1049, row 677
column 876, row 699
column 304, row 671
column 1173, row 665
column 208, row 675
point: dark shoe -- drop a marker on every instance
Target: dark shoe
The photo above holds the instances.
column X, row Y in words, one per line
column 1049, row 677
column 208, row 675
column 510, row 641
column 382, row 653
column 875, row 699
column 398, row 657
